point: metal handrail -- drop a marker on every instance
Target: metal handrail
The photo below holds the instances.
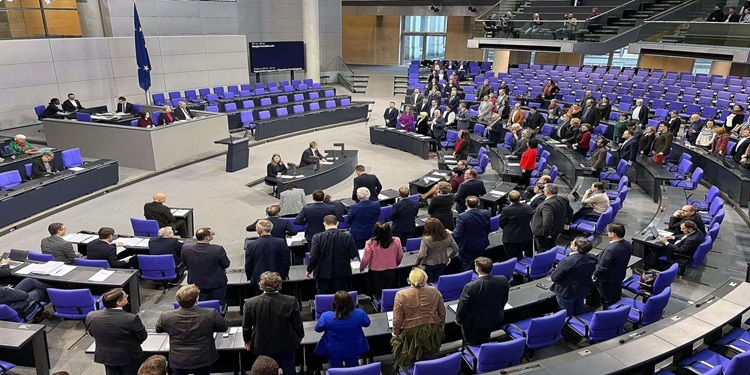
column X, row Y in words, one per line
column 620, row 7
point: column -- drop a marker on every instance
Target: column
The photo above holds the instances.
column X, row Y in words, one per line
column 90, row 17
column 501, row 61
column 311, row 37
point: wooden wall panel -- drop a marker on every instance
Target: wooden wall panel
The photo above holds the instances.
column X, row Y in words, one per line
column 667, row 63
column 374, row 40
column 460, row 30
column 557, row 58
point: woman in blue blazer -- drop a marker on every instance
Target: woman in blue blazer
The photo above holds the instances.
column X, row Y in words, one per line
column 362, row 217
column 343, row 339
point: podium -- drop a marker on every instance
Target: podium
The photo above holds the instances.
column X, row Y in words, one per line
column 238, row 153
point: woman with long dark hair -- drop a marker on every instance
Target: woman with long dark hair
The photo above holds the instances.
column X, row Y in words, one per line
column 433, row 254
column 383, row 253
column 343, row 339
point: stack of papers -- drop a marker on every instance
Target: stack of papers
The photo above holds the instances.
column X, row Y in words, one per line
column 297, row 237
column 77, row 237
column 440, row 173
column 63, row 270
column 498, row 192
column 355, row 265
column 382, row 196
column 41, row 268
column 179, row 212
column 129, row 241
column 432, row 178
column 101, row 275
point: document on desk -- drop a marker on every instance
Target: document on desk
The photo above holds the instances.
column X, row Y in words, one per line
column 440, row 173
column 498, row 192
column 143, row 243
column 665, row 233
column 28, row 269
column 119, row 249
column 101, row 275
column 297, row 237
column 47, row 268
column 180, row 212
column 383, row 196
column 514, row 164
column 432, row 178
column 129, row 241
column 76, row 169
column 63, row 270
column 77, row 237
column 88, row 240
column 361, row 254
column 287, row 176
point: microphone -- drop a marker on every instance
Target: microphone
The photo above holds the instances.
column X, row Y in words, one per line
column 632, row 336
column 705, row 302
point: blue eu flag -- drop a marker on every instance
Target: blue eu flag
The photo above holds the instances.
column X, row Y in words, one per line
column 141, row 54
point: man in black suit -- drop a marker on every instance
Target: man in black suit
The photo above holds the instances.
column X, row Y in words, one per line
column 423, row 106
column 156, row 210
column 206, row 264
column 192, row 348
column 453, row 100
column 416, row 97
column 629, row 148
column 538, row 197
column 640, row 113
column 485, row 89
column 330, row 256
column 166, row 244
column 104, row 249
column 281, row 227
column 535, row 121
column 514, row 220
column 550, row 219
column 738, row 151
column 391, row 115
column 590, row 115
column 572, row 277
column 402, row 216
column 312, row 215
column 688, row 212
column 495, row 134
column 472, row 229
column 272, row 325
column 266, row 253
column 310, row 155
column 183, row 112
column 675, row 122
column 693, row 128
column 27, row 292
column 612, row 265
column 564, row 130
column 682, row 249
column 471, row 186
column 118, row 335
column 504, row 87
column 369, row 181
column 482, row 304
column 43, row 166
column 124, row 107
column 71, row 105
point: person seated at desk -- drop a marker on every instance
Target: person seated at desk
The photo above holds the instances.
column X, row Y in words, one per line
column 19, row 146
column 362, row 217
column 311, row 155
column 183, row 112
column 595, row 202
column 43, row 166
column 274, row 170
column 688, row 212
column 281, row 228
column 57, row 246
column 455, row 179
column 312, row 215
column 529, row 192
column 52, row 108
column 72, row 104
column 166, row 117
column 166, row 244
column 368, row 181
column 291, row 200
column 338, row 206
column 682, row 247
column 124, row 107
column 145, row 120
column 156, row 210
column 103, row 249
column 27, row 291
column 343, row 339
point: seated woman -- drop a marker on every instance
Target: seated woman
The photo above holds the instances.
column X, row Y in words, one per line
column 52, row 108
column 595, row 202
column 343, row 339
column 145, row 121
column 166, row 117
column 19, row 146
column 407, row 119
column 383, row 253
column 291, row 200
column 274, row 169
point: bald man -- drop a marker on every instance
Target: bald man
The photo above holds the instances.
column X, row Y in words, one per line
column 156, row 210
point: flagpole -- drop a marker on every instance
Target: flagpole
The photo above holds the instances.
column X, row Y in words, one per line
column 148, row 97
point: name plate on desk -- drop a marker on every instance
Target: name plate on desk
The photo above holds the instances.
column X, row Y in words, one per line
column 177, row 212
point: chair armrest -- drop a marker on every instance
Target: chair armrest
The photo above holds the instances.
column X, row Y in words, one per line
column 30, row 307
column 735, row 348
column 464, row 349
column 585, row 326
column 523, row 333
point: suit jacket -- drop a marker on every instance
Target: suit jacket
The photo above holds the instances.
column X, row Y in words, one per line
column 422, row 107
column 308, row 157
column 629, row 150
column 674, row 125
column 402, row 217
column 692, row 131
column 551, row 216
column 371, row 182
column 100, row 250
column 330, row 254
column 59, row 248
column 687, row 244
column 453, row 101
column 572, row 276
column 118, row 336
column 734, row 17
column 482, row 303
column 599, row 158
column 438, row 128
column 643, row 114
column 166, row 246
column 272, row 323
column 663, row 143
column 180, row 115
column 463, row 119
column 517, row 116
column 50, row 111
column 206, row 264
column 266, row 253
column 514, row 220
column 391, row 117
column 129, row 108
column 645, row 142
column 16, row 299
column 592, row 116
column 613, row 262
column 191, row 339
column 441, row 208
column 674, row 222
column 312, row 216
column 739, row 149
column 361, row 218
column 484, row 90
column 472, row 229
column 535, row 201
column 67, row 106
column 39, row 170
column 467, row 188
column 521, row 146
column 164, row 118
column 535, row 121
column 159, row 212
column 416, row 99
column 281, row 227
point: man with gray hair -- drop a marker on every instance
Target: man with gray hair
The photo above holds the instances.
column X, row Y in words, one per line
column 362, row 217
column 550, row 218
column 167, row 244
column 266, row 253
column 43, row 166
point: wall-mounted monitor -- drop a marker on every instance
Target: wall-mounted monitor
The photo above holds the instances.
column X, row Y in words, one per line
column 276, row 56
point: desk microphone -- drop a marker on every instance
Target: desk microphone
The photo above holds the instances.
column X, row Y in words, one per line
column 705, row 302
column 622, row 341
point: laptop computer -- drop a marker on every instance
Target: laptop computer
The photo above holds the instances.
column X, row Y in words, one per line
column 17, row 257
column 654, row 233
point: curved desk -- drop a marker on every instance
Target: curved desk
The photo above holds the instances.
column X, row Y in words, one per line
column 413, row 143
column 309, row 179
column 650, row 176
column 568, row 162
column 671, row 199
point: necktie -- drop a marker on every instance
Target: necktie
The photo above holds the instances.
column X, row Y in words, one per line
column 585, row 114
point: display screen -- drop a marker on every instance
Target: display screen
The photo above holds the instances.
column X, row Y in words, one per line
column 277, row 56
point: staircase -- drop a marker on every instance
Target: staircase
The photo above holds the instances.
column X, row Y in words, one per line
column 359, row 83
column 630, row 18
column 400, row 84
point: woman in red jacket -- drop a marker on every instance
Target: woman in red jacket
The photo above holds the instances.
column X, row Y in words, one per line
column 721, row 140
column 528, row 162
column 583, row 140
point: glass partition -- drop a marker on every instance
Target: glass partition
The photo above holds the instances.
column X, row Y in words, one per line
column 38, row 19
column 702, row 33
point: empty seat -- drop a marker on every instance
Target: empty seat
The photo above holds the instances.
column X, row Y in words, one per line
column 450, row 286
column 601, row 325
column 10, row 179
column 72, row 158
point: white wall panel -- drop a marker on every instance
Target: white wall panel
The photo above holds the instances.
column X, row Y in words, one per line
column 27, row 97
column 236, row 60
column 183, row 63
column 183, row 81
column 25, row 51
column 82, row 70
column 31, row 74
column 79, row 49
column 182, row 45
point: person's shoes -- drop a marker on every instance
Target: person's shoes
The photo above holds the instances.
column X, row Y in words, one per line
column 40, row 317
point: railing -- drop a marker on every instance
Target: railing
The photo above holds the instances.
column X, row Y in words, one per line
column 695, row 10
column 341, row 72
column 696, row 32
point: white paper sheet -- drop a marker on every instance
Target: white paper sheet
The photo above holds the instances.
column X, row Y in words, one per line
column 129, row 241
column 439, row 174
column 361, row 254
column 297, row 237
column 47, row 268
column 180, row 213
column 355, row 264
column 498, row 192
column 389, row 314
column 27, row 270
column 62, row 271
column 101, row 275
column 382, row 196
column 76, row 169
column 76, row 237
column 326, row 162
column 432, row 178
column 514, row 164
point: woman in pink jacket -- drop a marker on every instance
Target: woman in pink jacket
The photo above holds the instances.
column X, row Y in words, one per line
column 383, row 253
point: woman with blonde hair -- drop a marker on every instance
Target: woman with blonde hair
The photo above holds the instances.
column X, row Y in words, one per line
column 423, row 124
column 166, row 117
column 418, row 321
column 275, row 168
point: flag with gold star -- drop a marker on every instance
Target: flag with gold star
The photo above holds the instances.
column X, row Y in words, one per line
column 141, row 53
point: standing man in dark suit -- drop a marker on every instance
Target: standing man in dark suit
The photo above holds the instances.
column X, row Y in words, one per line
column 104, row 249
column 472, row 229
column 482, row 304
column 281, row 227
column 118, row 335
column 57, row 246
column 741, row 147
column 471, row 186
column 640, row 113
column 124, row 107
column 310, row 155
column 453, row 100
column 514, row 221
column 535, row 121
column 423, row 106
column 183, row 112
column 485, row 89
column 272, row 325
column 312, row 215
column 612, row 265
column 267, row 253
column 495, row 134
column 662, row 143
column 362, row 217
column 693, row 128
column 330, row 256
column 369, row 181
column 416, row 98
column 590, row 114
column 166, row 244
column 572, row 277
column 43, row 166
column 629, row 148
column 391, row 115
column 71, row 105
column 675, row 122
column 206, row 264
column 192, row 348
column 156, row 210
column 550, row 219
column 402, row 216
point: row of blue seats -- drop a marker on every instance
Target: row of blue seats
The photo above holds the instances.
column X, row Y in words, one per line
column 70, row 158
column 232, row 91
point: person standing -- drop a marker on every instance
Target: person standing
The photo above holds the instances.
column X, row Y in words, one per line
column 369, row 181
column 192, row 348
column 612, row 264
column 118, row 335
column 206, row 264
column 471, row 186
column 391, row 115
column 267, row 253
column 272, row 324
column 403, row 215
column 156, row 210
column 281, row 227
column 463, row 117
column 57, row 246
column 291, row 200
column 550, row 218
column 362, row 216
column 472, row 229
column 433, row 254
column 628, row 149
column 312, row 215
column 528, row 162
column 441, row 205
column 514, row 221
column 343, row 339
column 383, row 253
column 572, row 277
column 662, row 143
column 330, row 254
column 482, row 304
